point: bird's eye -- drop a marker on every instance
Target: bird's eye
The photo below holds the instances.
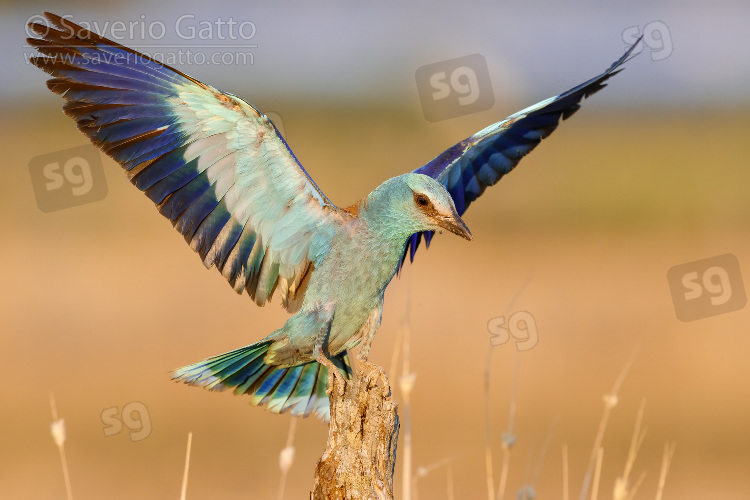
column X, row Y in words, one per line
column 422, row 201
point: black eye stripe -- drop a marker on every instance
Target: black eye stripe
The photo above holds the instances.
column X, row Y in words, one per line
column 424, row 203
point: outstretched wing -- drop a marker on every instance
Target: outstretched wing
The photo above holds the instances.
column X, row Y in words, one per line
column 467, row 168
column 213, row 164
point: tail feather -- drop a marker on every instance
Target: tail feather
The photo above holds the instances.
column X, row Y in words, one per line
column 267, row 385
column 281, row 395
column 299, row 389
column 237, row 363
column 303, row 389
column 217, row 369
column 318, row 403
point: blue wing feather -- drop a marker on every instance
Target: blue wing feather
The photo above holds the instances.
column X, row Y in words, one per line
column 213, row 164
column 467, row 168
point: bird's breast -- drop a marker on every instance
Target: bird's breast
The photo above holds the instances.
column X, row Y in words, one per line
column 354, row 275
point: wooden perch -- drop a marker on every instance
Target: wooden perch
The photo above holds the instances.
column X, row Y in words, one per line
column 360, row 456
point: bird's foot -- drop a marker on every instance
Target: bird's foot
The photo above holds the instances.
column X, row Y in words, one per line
column 334, row 375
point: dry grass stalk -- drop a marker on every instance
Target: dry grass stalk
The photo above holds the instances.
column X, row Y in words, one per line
column 622, row 490
column 509, row 438
column 286, row 457
column 423, row 471
column 597, row 473
column 489, row 467
column 450, row 493
column 185, row 474
column 665, row 463
column 610, row 401
column 396, row 350
column 406, row 385
column 58, row 435
column 528, row 491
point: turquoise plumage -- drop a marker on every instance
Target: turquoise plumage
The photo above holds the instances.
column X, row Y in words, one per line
column 221, row 172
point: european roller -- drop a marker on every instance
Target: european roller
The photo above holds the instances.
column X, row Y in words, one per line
column 221, row 172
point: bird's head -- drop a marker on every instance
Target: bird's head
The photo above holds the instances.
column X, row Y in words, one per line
column 432, row 206
column 412, row 203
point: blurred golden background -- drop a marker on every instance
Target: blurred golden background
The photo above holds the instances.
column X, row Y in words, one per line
column 101, row 301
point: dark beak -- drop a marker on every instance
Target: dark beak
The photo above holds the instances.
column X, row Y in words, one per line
column 455, row 225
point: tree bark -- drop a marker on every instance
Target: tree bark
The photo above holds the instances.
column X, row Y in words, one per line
column 360, row 456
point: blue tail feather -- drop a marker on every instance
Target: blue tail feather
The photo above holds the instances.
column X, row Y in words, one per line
column 285, row 388
column 303, row 390
column 300, row 389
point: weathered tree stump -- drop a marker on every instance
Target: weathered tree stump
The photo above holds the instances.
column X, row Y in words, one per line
column 360, row 456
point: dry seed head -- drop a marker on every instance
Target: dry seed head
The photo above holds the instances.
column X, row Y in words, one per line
column 58, row 432
column 406, row 383
column 610, row 400
column 286, row 458
column 509, row 439
column 621, row 489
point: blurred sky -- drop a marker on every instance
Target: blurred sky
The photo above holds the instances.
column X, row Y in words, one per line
column 370, row 50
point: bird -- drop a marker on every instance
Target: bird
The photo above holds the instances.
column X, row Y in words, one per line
column 221, row 172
